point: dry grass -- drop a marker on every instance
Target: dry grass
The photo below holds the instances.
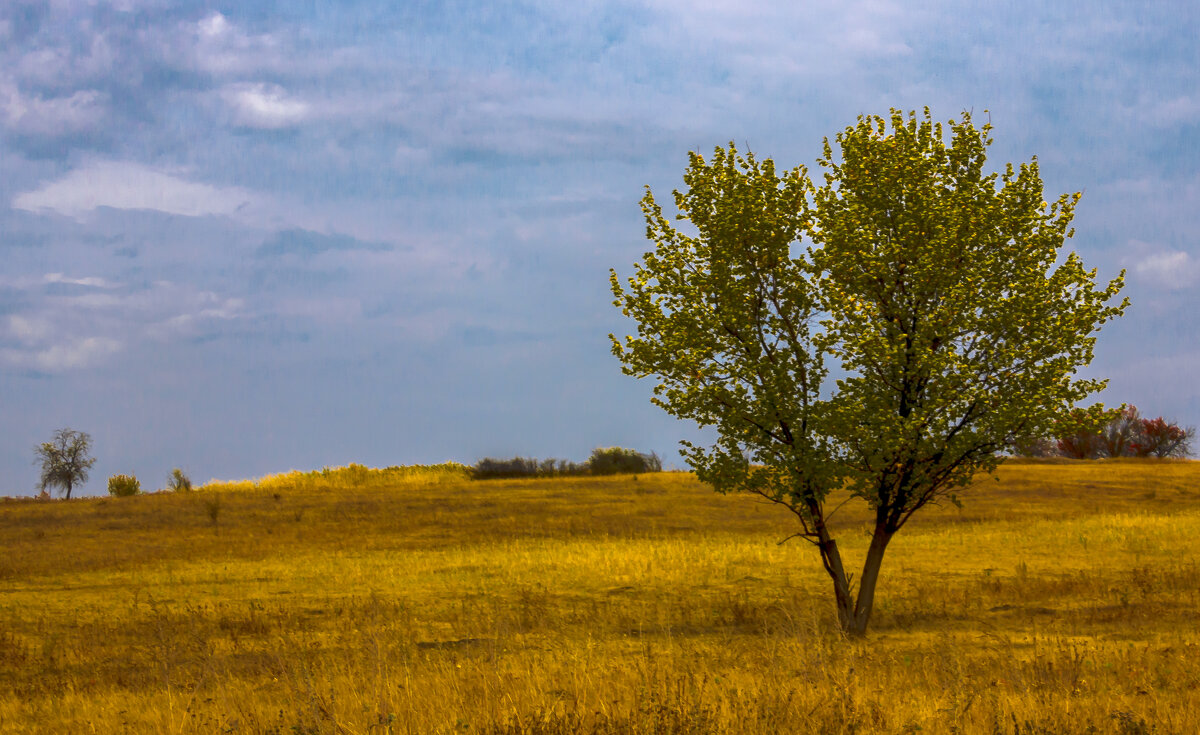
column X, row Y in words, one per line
column 1063, row 597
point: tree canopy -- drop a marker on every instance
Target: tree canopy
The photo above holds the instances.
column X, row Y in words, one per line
column 933, row 293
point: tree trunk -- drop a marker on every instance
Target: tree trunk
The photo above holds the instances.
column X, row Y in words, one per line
column 68, row 491
column 831, row 558
column 866, row 583
column 841, row 584
column 854, row 614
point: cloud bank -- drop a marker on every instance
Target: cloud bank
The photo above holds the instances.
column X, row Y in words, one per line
column 280, row 236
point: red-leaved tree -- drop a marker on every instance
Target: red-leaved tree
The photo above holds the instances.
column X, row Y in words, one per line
column 1160, row 438
column 1080, row 434
column 1094, row 433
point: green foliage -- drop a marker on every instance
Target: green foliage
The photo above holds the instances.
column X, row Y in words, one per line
column 178, row 481
column 725, row 322
column 959, row 332
column 65, row 460
column 123, row 486
column 1080, row 432
column 936, row 289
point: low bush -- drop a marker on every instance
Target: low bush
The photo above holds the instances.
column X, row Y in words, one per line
column 609, row 461
column 616, row 460
column 122, row 486
column 488, row 468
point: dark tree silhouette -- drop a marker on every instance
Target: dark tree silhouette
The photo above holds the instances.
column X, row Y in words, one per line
column 65, row 460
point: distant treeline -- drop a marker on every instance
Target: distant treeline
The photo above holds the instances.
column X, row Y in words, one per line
column 1123, row 433
column 608, row 461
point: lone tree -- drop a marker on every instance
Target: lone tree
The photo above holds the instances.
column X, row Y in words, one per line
column 65, row 460
column 933, row 287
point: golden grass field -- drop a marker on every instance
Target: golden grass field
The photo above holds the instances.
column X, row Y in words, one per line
column 1063, row 598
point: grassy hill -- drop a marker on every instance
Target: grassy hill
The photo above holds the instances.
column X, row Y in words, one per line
column 1063, row 596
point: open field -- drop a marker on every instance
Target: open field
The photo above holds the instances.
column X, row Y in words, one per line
column 1063, row 598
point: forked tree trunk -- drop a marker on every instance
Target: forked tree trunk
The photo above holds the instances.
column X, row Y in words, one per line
column 854, row 611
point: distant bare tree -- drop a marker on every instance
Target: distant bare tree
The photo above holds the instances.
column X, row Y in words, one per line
column 178, row 481
column 65, row 460
column 1122, row 433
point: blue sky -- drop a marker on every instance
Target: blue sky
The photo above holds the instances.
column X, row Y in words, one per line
column 243, row 238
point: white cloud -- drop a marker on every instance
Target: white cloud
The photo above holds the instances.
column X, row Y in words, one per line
column 28, row 329
column 214, row 26
column 49, row 117
column 92, row 281
column 77, row 354
column 217, row 46
column 58, row 63
column 69, row 355
column 1172, row 269
column 127, row 185
column 205, row 308
column 49, row 346
column 264, row 106
column 67, row 332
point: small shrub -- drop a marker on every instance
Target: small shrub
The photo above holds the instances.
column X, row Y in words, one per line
column 122, row 486
column 178, row 481
column 617, row 460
